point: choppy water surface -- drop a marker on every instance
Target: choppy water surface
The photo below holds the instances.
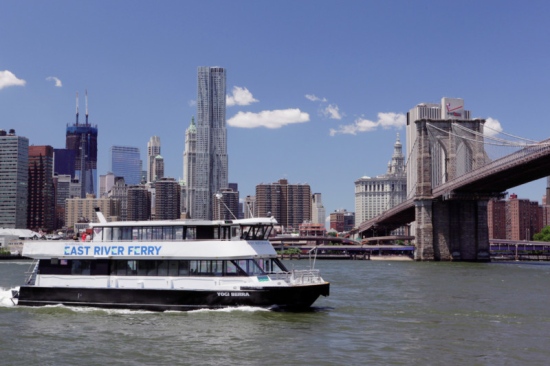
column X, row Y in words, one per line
column 387, row 313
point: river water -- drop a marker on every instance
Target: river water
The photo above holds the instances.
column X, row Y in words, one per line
column 379, row 312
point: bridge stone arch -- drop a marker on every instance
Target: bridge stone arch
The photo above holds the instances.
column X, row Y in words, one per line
column 453, row 227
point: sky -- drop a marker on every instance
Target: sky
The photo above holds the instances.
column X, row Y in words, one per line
column 317, row 91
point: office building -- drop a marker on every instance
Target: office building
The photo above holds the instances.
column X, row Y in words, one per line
column 318, row 212
column 119, row 191
column 157, row 168
column 139, row 203
column 65, row 187
column 153, row 150
column 167, row 199
column 14, row 166
column 126, row 162
column 290, row 204
column 106, row 182
column 211, row 172
column 41, row 190
column 64, row 162
column 82, row 139
column 374, row 195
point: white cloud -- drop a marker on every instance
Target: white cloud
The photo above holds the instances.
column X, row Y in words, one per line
column 241, row 96
column 192, row 103
column 7, row 78
column 492, row 127
column 314, row 98
column 332, row 112
column 57, row 81
column 385, row 121
column 268, row 119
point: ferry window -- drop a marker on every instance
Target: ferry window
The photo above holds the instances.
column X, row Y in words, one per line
column 162, row 268
column 148, row 233
column 167, row 233
column 107, row 234
column 183, row 268
column 119, row 268
column 250, row 267
column 135, row 233
column 156, row 233
column 126, row 233
column 205, row 232
column 173, row 268
column 191, row 233
column 147, row 268
column 179, row 233
column 132, row 268
column 235, row 232
column 231, row 269
column 217, row 268
column 100, row 267
column 116, row 234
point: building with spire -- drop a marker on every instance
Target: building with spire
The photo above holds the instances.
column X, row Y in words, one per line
column 211, row 169
column 153, row 150
column 189, row 166
column 82, row 139
column 376, row 195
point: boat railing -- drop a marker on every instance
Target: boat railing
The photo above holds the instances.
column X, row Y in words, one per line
column 305, row 276
column 32, row 272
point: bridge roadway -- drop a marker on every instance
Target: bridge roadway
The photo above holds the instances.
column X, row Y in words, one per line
column 526, row 165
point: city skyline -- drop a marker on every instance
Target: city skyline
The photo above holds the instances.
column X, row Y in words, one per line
column 301, row 99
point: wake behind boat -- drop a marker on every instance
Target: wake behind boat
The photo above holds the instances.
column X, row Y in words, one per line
column 168, row 265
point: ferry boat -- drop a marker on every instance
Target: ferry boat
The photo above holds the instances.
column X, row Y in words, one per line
column 168, row 265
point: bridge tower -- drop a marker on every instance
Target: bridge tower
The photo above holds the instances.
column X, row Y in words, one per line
column 453, row 227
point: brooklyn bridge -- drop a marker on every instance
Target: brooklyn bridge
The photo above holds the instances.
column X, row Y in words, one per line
column 454, row 169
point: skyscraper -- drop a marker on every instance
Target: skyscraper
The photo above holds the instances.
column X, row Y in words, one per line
column 82, row 138
column 317, row 209
column 126, row 162
column 153, row 150
column 167, row 199
column 189, row 166
column 41, row 196
column 14, row 165
column 211, row 173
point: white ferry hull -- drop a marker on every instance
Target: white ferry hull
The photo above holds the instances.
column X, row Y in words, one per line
column 285, row 298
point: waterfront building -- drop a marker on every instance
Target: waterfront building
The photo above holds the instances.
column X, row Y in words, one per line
column 153, row 150
column 449, row 108
column 290, row 204
column 14, row 169
column 376, row 195
column 226, row 205
column 211, row 169
column 119, row 191
column 514, row 219
column 318, row 212
column 167, row 199
column 82, row 139
column 139, row 203
column 83, row 209
column 65, row 187
column 189, row 166
column 41, row 190
column 126, row 162
column 312, row 229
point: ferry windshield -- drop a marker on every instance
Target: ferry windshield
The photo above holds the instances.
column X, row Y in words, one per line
column 256, row 232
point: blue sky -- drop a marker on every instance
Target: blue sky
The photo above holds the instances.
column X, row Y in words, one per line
column 319, row 87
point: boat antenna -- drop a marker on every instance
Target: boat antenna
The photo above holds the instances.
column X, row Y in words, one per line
column 86, row 107
column 219, row 196
column 77, row 108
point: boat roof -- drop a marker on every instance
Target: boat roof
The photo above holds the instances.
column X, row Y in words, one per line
column 189, row 222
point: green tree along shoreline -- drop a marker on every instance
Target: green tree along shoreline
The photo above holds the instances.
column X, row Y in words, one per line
column 544, row 234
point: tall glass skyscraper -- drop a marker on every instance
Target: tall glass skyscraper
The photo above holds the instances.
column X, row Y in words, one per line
column 126, row 162
column 211, row 147
column 14, row 165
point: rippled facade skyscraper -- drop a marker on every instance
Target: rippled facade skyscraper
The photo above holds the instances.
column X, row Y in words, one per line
column 211, row 170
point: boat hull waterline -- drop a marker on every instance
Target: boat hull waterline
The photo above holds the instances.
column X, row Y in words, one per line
column 297, row 298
